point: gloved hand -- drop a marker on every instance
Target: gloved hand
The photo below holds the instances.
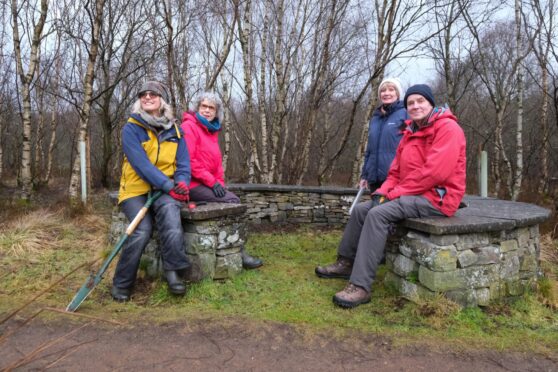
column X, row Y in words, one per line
column 378, row 199
column 180, row 192
column 181, row 188
column 219, row 190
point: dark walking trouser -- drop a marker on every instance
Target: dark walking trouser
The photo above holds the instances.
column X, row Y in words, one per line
column 365, row 236
column 165, row 211
column 204, row 193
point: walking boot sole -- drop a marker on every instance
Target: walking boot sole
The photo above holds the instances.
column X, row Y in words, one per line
column 348, row 304
column 331, row 276
column 177, row 291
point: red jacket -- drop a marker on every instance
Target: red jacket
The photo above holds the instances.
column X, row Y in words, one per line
column 205, row 155
column 430, row 161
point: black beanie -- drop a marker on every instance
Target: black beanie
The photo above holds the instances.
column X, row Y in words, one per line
column 422, row 89
column 156, row 87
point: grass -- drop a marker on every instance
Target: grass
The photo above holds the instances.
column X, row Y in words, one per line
column 284, row 290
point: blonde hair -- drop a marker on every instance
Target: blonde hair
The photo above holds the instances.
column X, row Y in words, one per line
column 165, row 109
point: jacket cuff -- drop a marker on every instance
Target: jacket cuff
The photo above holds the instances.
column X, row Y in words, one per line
column 167, row 186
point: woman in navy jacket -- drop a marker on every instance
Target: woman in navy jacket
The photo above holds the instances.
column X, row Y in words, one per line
column 384, row 134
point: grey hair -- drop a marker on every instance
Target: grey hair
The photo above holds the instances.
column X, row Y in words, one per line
column 165, row 109
column 212, row 97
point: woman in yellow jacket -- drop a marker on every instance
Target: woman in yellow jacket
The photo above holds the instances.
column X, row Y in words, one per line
column 156, row 158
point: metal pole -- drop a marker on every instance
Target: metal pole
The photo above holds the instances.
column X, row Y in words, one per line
column 83, row 172
column 484, row 175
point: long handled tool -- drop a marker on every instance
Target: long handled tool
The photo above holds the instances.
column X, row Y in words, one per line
column 357, row 198
column 93, row 280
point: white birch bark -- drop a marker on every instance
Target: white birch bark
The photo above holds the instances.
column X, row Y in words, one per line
column 87, row 98
column 26, row 78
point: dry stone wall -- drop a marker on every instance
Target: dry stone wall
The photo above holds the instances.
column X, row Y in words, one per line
column 296, row 204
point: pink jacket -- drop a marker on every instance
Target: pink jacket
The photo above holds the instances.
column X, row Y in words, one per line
column 430, row 162
column 205, row 154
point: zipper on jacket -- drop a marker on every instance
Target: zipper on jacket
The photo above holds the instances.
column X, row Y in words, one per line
column 441, row 192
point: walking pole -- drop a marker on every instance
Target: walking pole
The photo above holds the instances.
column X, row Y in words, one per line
column 93, row 280
column 357, row 198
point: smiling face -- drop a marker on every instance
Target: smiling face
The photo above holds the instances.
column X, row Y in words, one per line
column 388, row 94
column 418, row 107
column 208, row 109
column 150, row 102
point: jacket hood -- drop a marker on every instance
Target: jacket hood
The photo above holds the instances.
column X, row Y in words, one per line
column 437, row 114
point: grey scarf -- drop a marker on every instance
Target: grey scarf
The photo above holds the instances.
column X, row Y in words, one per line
column 157, row 122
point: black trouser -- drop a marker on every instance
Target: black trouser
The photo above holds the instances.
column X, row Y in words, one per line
column 165, row 211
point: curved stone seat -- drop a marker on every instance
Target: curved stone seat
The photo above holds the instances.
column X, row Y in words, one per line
column 486, row 251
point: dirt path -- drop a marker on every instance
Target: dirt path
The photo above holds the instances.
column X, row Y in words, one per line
column 226, row 345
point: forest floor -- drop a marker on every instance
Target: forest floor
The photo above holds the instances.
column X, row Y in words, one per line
column 277, row 318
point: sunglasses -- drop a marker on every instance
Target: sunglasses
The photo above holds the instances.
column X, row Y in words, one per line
column 148, row 94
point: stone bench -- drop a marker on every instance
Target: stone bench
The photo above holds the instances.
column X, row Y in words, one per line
column 486, row 251
column 214, row 235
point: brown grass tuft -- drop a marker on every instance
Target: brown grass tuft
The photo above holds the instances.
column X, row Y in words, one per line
column 32, row 233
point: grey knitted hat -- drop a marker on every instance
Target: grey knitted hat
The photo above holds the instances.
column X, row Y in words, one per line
column 155, row 87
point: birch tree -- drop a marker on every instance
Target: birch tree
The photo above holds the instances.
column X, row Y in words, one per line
column 95, row 17
column 27, row 77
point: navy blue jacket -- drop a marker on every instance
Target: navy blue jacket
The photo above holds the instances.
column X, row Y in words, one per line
column 384, row 134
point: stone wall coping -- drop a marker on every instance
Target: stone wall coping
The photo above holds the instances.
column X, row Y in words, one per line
column 211, row 211
column 482, row 215
column 255, row 187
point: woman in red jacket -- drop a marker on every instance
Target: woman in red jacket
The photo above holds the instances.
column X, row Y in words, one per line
column 426, row 178
column 201, row 133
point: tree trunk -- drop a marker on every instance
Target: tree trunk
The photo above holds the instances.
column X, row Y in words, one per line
column 26, row 79
column 87, row 99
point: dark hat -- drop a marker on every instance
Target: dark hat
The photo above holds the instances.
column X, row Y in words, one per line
column 156, row 87
column 422, row 89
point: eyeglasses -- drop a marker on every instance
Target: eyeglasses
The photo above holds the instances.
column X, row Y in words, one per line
column 148, row 94
column 203, row 106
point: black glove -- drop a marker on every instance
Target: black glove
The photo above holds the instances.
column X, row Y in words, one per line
column 378, row 199
column 219, row 190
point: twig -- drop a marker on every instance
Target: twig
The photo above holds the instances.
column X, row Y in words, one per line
column 84, row 316
column 45, row 345
column 67, row 352
column 46, row 290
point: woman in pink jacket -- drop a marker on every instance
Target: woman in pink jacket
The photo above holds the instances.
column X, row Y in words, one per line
column 426, row 179
column 201, row 132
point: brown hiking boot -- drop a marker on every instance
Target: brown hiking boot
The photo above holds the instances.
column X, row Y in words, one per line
column 341, row 268
column 351, row 296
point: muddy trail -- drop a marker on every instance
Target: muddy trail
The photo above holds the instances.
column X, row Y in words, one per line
column 231, row 345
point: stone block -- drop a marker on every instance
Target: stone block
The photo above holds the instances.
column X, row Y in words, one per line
column 508, row 245
column 528, row 263
column 444, row 239
column 514, row 288
column 200, row 243
column 202, row 266
column 390, row 259
column 469, row 278
column 468, row 241
column 404, row 266
column 419, row 248
column 463, row 297
column 228, row 266
column 509, row 268
column 534, row 231
column 466, row 258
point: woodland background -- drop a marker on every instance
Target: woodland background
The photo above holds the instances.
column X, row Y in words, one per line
column 298, row 78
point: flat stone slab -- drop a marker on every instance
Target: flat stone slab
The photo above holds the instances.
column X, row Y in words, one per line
column 482, row 215
column 212, row 211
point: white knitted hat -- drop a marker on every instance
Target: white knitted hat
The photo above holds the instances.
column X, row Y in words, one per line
column 395, row 82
